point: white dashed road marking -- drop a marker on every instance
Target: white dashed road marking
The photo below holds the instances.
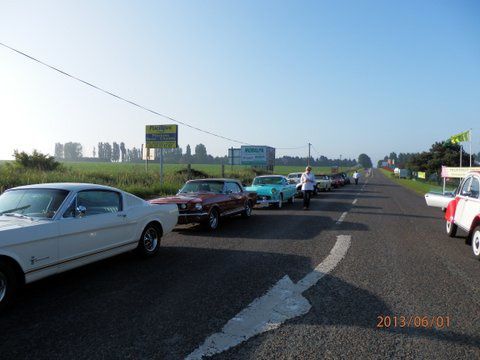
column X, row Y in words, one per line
column 282, row 302
column 354, row 201
column 342, row 217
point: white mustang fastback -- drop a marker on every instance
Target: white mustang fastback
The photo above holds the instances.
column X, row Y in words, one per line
column 46, row 229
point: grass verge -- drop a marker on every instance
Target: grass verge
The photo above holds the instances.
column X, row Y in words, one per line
column 418, row 186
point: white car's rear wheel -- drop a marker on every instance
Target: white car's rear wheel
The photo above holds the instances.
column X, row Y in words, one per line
column 451, row 229
column 476, row 243
column 149, row 244
column 8, row 284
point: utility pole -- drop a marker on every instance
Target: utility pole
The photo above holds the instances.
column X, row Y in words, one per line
column 308, row 160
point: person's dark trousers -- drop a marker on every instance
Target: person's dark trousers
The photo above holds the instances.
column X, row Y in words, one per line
column 356, row 181
column 307, row 194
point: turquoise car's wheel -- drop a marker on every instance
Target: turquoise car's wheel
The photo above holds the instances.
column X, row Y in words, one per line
column 292, row 199
column 280, row 201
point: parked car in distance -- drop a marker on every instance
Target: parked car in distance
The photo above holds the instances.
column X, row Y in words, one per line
column 294, row 178
column 337, row 180
column 346, row 178
column 273, row 189
column 205, row 201
column 324, row 182
column 464, row 211
column 46, row 229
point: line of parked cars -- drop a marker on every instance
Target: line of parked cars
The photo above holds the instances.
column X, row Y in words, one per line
column 46, row 229
column 462, row 210
column 324, row 182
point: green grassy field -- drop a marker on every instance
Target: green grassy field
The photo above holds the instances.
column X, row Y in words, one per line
column 134, row 178
column 211, row 169
column 419, row 186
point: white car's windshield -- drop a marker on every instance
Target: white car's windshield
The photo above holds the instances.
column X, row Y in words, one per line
column 202, row 186
column 42, row 203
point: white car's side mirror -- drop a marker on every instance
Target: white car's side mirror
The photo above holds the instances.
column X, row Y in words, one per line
column 80, row 211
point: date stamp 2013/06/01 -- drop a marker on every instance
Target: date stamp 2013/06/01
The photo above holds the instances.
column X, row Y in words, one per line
column 415, row 321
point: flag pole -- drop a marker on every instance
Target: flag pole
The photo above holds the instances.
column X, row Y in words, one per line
column 470, row 147
column 461, row 151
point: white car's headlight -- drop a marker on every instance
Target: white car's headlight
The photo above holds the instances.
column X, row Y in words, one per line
column 198, row 206
column 183, row 206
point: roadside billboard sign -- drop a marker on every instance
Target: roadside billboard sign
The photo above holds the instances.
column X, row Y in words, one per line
column 457, row 172
column 257, row 155
column 161, row 136
column 421, row 175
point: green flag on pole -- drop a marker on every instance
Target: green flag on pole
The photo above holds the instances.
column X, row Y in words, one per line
column 464, row 136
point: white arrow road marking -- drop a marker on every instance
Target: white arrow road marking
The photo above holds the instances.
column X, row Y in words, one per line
column 282, row 302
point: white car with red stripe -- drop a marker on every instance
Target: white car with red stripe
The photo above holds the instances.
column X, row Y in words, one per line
column 46, row 229
column 464, row 211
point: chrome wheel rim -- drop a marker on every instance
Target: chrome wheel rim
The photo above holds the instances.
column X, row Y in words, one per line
column 476, row 243
column 212, row 220
column 248, row 209
column 150, row 239
column 3, row 286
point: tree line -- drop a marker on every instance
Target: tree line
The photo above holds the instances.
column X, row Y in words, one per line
column 431, row 161
column 118, row 152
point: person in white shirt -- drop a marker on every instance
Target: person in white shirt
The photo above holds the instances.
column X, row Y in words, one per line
column 308, row 183
column 356, row 176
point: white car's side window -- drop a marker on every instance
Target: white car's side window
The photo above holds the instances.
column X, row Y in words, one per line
column 95, row 202
column 99, row 202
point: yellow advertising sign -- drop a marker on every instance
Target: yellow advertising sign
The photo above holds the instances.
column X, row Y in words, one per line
column 421, row 175
column 161, row 136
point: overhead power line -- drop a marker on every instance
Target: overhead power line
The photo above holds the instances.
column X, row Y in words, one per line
column 132, row 102
column 292, row 148
column 121, row 98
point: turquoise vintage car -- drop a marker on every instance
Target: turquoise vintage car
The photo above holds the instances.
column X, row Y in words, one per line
column 273, row 189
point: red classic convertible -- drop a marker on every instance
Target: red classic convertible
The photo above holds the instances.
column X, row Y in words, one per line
column 204, row 201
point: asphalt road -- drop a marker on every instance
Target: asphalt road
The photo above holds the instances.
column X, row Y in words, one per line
column 399, row 263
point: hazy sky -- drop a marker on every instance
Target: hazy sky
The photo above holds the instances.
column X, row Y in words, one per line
column 347, row 76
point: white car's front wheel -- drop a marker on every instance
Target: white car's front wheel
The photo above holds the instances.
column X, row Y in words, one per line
column 451, row 229
column 149, row 243
column 476, row 243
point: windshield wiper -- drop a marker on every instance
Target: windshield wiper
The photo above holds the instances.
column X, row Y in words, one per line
column 15, row 209
column 17, row 215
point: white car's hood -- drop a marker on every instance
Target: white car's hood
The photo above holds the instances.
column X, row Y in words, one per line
column 12, row 222
column 14, row 230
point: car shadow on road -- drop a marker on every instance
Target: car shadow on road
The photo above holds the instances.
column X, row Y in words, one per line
column 280, row 226
column 382, row 213
column 354, row 195
column 128, row 307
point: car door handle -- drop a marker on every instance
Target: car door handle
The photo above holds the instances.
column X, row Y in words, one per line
column 122, row 215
